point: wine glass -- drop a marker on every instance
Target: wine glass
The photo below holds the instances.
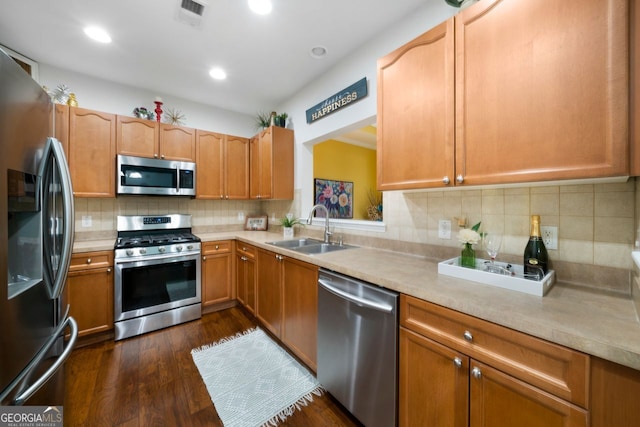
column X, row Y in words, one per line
column 492, row 242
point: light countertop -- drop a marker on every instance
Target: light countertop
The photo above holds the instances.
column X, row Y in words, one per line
column 597, row 323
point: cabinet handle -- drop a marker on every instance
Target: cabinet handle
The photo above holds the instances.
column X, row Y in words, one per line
column 88, row 260
column 467, row 336
column 217, row 247
column 204, row 258
column 244, row 248
column 109, row 270
column 162, row 156
column 460, row 179
column 155, row 155
column 457, row 362
column 446, row 180
column 476, row 372
column 243, row 258
column 221, row 197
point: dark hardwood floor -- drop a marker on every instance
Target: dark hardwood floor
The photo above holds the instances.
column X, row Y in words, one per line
column 151, row 380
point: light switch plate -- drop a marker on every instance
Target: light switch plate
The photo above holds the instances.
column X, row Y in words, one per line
column 444, row 229
column 86, row 220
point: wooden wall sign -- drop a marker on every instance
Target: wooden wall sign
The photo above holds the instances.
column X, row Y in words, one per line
column 345, row 97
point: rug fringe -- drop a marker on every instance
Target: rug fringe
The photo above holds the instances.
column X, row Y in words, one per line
column 224, row 340
column 288, row 411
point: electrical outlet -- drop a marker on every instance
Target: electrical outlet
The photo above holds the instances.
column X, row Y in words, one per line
column 444, row 229
column 86, row 220
column 549, row 236
column 240, row 216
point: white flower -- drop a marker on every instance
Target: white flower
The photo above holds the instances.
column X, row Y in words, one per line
column 467, row 235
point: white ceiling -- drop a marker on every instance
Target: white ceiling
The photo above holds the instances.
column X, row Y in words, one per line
column 266, row 58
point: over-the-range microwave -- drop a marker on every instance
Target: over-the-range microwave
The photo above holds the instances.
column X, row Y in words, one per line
column 156, row 177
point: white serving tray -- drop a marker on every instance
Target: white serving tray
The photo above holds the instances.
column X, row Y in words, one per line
column 516, row 282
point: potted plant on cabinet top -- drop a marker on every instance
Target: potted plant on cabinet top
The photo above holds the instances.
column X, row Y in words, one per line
column 287, row 223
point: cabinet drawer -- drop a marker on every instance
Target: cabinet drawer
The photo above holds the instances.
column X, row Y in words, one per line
column 86, row 260
column 246, row 250
column 551, row 367
column 212, row 248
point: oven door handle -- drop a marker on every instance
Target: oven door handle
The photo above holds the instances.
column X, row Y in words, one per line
column 151, row 259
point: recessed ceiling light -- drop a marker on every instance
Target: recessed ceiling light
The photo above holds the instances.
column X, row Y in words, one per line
column 261, row 7
column 318, row 52
column 217, row 73
column 97, row 34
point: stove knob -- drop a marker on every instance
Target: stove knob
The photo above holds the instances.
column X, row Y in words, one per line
column 143, row 251
column 129, row 252
column 162, row 249
column 179, row 248
column 189, row 247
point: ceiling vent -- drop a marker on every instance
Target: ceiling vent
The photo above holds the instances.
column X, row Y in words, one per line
column 191, row 12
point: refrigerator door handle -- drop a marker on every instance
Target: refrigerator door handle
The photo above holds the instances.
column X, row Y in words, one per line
column 26, row 394
column 68, row 217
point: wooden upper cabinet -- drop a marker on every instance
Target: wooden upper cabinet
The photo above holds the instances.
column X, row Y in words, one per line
column 541, row 93
column 92, row 153
column 271, row 164
column 177, row 143
column 634, row 90
column 223, row 166
column 61, row 123
column 237, row 167
column 137, row 137
column 416, row 112
column 542, row 90
column 210, row 165
column 148, row 138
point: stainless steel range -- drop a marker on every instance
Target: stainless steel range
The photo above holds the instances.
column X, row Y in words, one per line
column 157, row 274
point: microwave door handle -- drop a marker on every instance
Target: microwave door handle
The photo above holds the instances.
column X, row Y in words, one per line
column 68, row 217
column 71, row 323
column 178, row 183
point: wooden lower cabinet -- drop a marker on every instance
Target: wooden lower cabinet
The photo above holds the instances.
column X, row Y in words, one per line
column 483, row 375
column 269, row 290
column 90, row 291
column 246, row 276
column 615, row 394
column 300, row 310
column 287, row 302
column 217, row 285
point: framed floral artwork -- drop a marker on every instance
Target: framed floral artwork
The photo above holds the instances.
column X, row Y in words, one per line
column 336, row 196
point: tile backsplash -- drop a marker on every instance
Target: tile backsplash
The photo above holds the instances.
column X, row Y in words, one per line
column 596, row 222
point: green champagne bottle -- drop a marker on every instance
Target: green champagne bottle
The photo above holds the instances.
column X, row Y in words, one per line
column 535, row 254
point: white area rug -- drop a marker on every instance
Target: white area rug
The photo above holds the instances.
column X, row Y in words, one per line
column 252, row 381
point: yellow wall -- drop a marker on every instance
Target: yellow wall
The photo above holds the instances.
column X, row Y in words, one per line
column 346, row 162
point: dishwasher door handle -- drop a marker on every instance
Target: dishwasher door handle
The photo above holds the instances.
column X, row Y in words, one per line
column 355, row 299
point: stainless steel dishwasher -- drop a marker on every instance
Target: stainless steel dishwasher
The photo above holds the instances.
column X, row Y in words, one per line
column 358, row 347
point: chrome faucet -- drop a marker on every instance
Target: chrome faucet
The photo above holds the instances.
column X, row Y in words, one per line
column 327, row 233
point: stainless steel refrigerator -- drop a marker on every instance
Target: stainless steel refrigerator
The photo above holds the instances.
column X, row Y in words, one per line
column 36, row 237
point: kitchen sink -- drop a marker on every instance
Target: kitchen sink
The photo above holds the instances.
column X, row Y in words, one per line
column 309, row 246
column 295, row 243
column 322, row 248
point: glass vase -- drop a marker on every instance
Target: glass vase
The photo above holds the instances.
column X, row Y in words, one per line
column 468, row 256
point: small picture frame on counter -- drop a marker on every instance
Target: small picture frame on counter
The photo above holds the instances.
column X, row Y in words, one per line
column 256, row 223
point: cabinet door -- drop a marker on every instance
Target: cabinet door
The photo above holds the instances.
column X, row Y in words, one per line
column 61, row 123
column 90, row 293
column 499, row 400
column 416, row 112
column 216, row 273
column 177, row 143
column 269, row 291
column 542, row 90
column 246, row 282
column 433, row 383
column 237, row 167
column 137, row 137
column 614, row 394
column 634, row 90
column 266, row 163
column 300, row 307
column 210, row 165
column 92, row 153
column 254, row 167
